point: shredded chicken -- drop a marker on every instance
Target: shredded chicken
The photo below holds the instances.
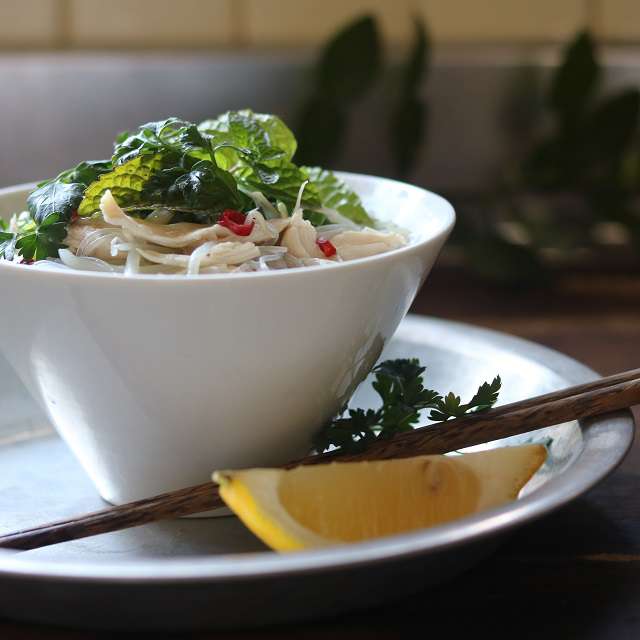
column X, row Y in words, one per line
column 300, row 238
column 92, row 237
column 189, row 248
column 360, row 244
column 223, row 253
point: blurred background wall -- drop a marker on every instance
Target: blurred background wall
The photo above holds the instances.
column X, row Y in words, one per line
column 75, row 72
column 250, row 24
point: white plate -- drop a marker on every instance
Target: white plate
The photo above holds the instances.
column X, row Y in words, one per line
column 206, row 573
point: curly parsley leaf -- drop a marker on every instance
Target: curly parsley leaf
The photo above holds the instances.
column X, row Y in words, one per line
column 43, row 240
column 451, row 405
column 399, row 383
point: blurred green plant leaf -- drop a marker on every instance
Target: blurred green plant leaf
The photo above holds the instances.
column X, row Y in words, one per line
column 503, row 262
column 351, row 61
column 416, row 67
column 320, row 132
column 408, row 128
column 409, row 116
column 349, row 65
column 612, row 126
column 575, row 80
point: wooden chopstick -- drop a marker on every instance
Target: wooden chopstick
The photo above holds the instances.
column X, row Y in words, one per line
column 600, row 396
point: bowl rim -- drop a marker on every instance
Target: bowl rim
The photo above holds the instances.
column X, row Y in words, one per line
column 443, row 209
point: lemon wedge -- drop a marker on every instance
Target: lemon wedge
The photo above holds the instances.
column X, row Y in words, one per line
column 320, row 505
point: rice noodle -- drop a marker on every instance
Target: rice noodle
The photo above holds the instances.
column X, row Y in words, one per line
column 83, row 263
column 132, row 264
column 123, row 243
column 88, row 243
column 193, row 266
column 298, row 205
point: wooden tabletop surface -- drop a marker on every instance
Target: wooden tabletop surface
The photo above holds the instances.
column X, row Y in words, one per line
column 573, row 574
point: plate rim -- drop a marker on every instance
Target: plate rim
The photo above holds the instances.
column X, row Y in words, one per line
column 601, row 454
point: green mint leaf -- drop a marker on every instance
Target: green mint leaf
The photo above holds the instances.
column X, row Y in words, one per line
column 203, row 187
column 284, row 188
column 126, row 182
column 262, row 136
column 257, row 149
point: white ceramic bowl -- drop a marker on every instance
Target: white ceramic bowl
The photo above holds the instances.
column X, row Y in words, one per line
column 154, row 381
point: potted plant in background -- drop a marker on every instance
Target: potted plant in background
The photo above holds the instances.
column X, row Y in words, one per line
column 567, row 194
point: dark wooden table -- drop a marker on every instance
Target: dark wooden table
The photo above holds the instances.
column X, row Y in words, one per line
column 574, row 574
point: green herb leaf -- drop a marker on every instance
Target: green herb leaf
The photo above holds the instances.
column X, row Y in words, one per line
column 451, row 405
column 126, row 182
column 335, row 194
column 399, row 383
column 83, row 173
column 7, row 244
column 202, row 187
column 43, row 240
column 58, row 199
column 172, row 135
column 257, row 149
column 284, row 188
column 263, row 137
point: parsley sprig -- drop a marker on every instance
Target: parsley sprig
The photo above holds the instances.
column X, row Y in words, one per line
column 400, row 386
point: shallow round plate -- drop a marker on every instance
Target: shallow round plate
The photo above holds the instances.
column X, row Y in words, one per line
column 213, row 573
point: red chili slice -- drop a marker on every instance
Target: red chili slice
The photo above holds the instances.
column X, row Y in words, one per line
column 74, row 215
column 235, row 221
column 326, row 247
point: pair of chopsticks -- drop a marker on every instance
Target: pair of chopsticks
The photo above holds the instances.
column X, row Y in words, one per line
column 601, row 396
